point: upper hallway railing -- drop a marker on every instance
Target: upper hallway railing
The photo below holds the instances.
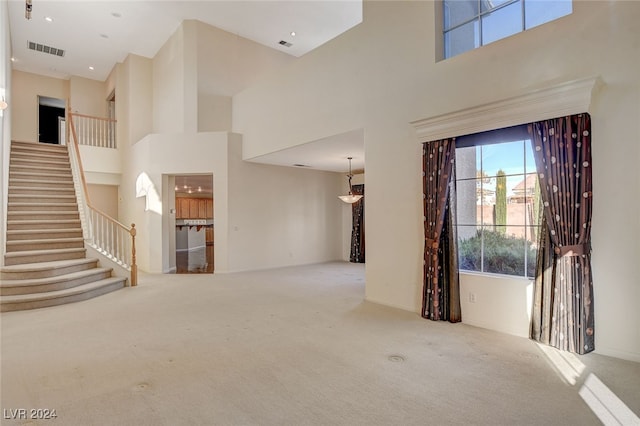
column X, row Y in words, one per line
column 102, row 232
column 93, row 131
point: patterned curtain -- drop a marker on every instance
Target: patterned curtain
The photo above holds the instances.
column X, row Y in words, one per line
column 441, row 292
column 357, row 232
column 563, row 293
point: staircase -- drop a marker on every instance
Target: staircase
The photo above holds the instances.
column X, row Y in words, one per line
column 45, row 260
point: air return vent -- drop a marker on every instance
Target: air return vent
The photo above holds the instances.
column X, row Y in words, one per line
column 45, row 49
column 285, row 43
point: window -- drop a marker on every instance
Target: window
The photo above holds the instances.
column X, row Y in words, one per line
column 469, row 24
column 498, row 203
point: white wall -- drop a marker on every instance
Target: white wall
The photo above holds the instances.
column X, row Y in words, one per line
column 382, row 74
column 24, row 116
column 5, row 120
column 87, row 96
column 161, row 155
column 104, row 198
column 281, row 216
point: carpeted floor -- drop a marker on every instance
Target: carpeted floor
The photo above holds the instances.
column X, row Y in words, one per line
column 291, row 346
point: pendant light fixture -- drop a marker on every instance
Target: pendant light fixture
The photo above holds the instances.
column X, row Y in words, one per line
column 350, row 198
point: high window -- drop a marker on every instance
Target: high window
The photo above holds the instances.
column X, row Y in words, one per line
column 498, row 203
column 469, row 24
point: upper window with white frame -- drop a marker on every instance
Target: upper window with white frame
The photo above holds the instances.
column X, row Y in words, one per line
column 468, row 24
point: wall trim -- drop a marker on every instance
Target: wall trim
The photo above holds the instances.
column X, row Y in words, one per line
column 559, row 100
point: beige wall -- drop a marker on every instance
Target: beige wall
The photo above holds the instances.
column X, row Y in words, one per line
column 5, row 119
column 382, row 75
column 168, row 85
column 228, row 63
column 281, row 216
column 104, row 198
column 24, row 116
column 87, row 96
column 214, row 113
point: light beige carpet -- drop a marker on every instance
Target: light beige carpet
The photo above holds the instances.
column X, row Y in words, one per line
column 291, row 346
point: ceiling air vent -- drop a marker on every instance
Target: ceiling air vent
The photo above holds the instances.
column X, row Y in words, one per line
column 285, row 43
column 45, row 49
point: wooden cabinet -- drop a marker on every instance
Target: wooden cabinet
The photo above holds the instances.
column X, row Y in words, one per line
column 194, row 208
column 182, row 208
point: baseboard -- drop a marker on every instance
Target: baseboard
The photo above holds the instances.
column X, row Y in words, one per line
column 171, row 270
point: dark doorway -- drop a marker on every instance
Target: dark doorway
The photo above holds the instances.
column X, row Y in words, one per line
column 51, row 120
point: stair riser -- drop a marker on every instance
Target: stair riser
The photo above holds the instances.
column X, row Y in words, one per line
column 61, row 163
column 47, row 171
column 49, row 257
column 28, row 207
column 40, row 177
column 13, row 246
column 43, row 192
column 42, row 225
column 61, row 285
column 43, row 185
column 36, row 146
column 47, row 273
column 42, row 198
column 9, row 307
column 42, row 216
column 38, row 155
column 44, row 234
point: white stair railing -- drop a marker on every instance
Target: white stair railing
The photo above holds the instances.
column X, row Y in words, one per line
column 94, row 131
column 105, row 234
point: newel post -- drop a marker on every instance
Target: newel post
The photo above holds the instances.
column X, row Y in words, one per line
column 134, row 267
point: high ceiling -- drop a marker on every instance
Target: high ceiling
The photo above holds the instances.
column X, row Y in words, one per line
column 99, row 34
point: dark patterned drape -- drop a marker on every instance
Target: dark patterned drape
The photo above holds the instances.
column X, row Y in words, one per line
column 441, row 292
column 357, row 232
column 563, row 293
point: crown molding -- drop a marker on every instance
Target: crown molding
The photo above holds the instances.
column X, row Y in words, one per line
column 560, row 100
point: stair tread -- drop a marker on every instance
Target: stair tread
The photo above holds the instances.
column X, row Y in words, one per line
column 40, row 188
column 43, row 266
column 35, row 221
column 20, row 204
column 36, row 196
column 42, row 231
column 44, row 251
column 27, row 282
column 49, row 212
column 34, row 297
column 46, row 240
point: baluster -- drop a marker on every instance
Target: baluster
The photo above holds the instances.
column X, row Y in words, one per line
column 134, row 267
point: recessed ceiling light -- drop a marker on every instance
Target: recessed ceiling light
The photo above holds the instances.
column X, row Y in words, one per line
column 13, row 59
column 91, row 68
column 116, row 14
column 48, row 18
column 293, row 33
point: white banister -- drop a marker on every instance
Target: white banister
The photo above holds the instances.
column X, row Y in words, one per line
column 105, row 234
column 94, row 131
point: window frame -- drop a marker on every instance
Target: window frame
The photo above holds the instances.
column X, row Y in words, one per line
column 443, row 29
column 490, row 138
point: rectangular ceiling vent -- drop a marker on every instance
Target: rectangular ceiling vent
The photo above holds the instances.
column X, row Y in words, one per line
column 45, row 49
column 285, row 43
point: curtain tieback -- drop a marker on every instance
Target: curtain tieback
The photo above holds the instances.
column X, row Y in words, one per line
column 574, row 250
column 432, row 243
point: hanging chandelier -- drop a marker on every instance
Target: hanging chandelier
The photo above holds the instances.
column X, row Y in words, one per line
column 350, row 198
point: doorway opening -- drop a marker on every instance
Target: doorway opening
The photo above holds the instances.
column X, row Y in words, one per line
column 194, row 202
column 52, row 120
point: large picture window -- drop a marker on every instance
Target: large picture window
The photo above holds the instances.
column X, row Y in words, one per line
column 498, row 204
column 469, row 24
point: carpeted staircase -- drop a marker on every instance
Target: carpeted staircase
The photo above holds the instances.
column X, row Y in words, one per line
column 45, row 260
